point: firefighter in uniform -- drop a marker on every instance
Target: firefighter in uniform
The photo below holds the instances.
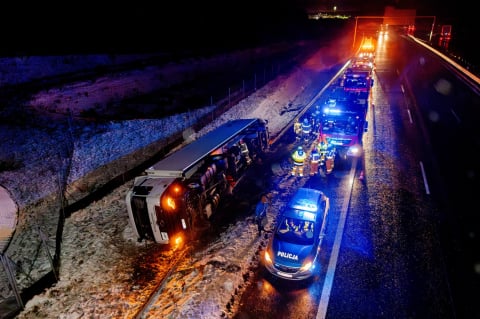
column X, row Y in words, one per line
column 306, row 129
column 298, row 158
column 327, row 156
column 329, row 161
column 314, row 161
column 316, row 117
column 322, row 144
column 297, row 128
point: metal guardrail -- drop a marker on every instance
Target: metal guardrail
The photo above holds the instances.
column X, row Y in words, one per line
column 468, row 76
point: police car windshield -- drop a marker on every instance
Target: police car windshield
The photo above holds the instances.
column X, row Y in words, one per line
column 296, row 231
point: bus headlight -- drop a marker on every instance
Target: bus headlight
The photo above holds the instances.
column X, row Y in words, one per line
column 168, row 203
column 178, row 240
column 171, row 198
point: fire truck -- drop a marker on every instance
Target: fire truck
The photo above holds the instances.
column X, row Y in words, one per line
column 168, row 202
column 342, row 126
column 357, row 81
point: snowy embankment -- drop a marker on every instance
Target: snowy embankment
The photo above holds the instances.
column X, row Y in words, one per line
column 99, row 253
column 45, row 158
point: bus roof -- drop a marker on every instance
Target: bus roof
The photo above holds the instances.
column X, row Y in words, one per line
column 180, row 162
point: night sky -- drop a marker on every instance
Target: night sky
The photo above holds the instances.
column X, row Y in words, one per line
column 40, row 26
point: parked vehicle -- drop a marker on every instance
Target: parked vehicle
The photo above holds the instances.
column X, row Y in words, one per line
column 342, row 127
column 293, row 249
column 357, row 81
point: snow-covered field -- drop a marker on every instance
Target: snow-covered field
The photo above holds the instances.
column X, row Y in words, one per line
column 100, row 258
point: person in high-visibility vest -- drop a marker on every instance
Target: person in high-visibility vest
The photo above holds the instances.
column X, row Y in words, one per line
column 297, row 128
column 298, row 158
column 322, row 147
column 329, row 161
column 322, row 144
column 327, row 156
column 314, row 161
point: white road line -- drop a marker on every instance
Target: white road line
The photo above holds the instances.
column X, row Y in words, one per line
column 410, row 116
column 456, row 116
column 332, row 263
column 425, row 181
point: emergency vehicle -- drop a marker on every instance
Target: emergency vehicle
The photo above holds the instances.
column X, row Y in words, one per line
column 367, row 47
column 363, row 62
column 342, row 126
column 292, row 252
column 166, row 202
column 357, row 81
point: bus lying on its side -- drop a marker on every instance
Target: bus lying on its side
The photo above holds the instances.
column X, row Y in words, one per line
column 166, row 202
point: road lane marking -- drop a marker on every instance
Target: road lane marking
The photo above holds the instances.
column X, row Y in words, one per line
column 332, row 263
column 425, row 181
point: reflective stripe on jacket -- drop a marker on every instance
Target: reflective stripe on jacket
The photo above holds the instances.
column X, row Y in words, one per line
column 315, row 157
column 298, row 158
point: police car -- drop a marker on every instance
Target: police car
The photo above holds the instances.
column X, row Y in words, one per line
column 293, row 249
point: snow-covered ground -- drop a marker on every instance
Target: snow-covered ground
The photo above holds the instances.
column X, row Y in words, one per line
column 102, row 263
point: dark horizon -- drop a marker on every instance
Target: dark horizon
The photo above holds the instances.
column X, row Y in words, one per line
column 45, row 29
